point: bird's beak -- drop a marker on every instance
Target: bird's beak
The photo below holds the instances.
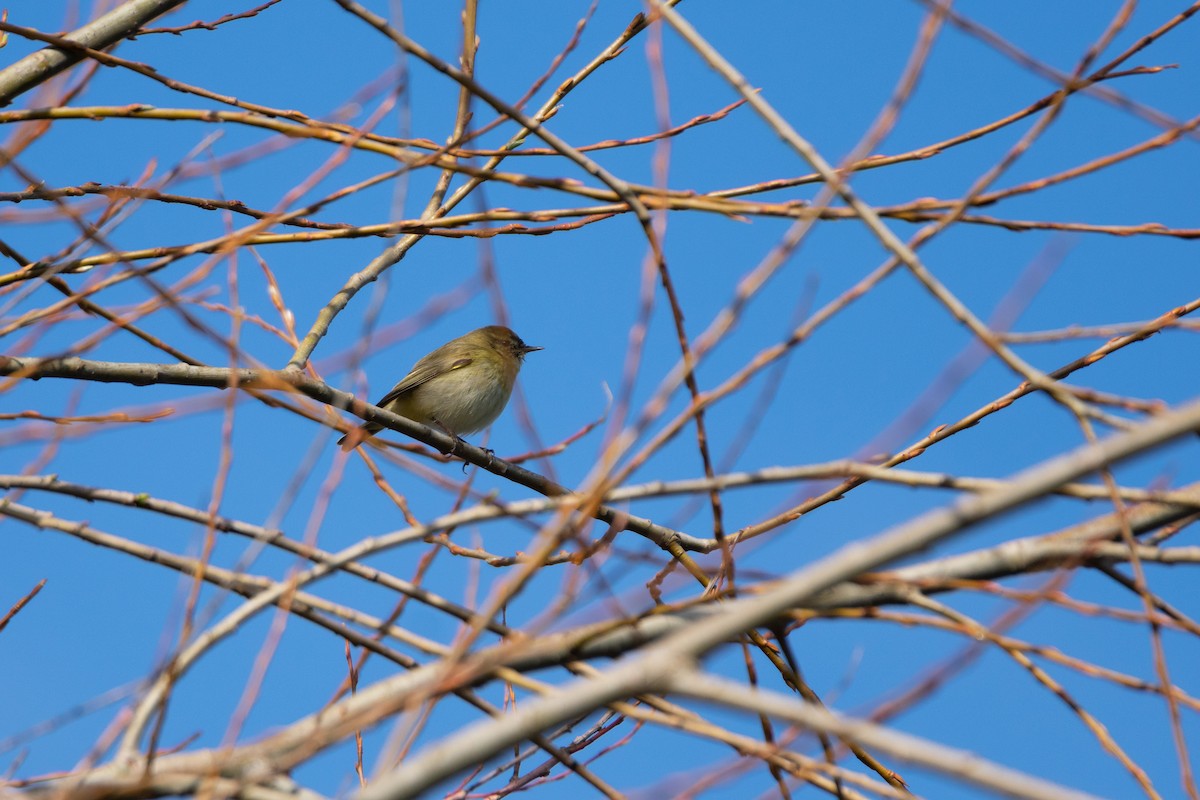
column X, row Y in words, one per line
column 529, row 349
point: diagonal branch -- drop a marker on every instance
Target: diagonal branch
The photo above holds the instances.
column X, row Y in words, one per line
column 106, row 31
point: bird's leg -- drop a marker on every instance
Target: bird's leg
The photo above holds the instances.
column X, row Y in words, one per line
column 491, row 454
column 446, row 430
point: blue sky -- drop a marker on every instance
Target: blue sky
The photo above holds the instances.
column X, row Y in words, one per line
column 105, row 619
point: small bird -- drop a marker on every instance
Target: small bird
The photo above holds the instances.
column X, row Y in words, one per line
column 461, row 387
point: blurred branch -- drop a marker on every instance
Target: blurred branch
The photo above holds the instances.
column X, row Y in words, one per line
column 965, row 766
column 660, row 660
column 17, row 606
column 654, row 668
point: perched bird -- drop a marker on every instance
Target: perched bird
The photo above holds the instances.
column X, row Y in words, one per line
column 461, row 387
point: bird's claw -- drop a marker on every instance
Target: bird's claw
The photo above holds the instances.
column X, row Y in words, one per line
column 491, row 456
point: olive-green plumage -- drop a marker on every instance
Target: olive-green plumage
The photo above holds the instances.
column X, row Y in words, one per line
column 460, row 387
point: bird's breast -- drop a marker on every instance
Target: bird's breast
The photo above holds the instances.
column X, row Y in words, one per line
column 467, row 400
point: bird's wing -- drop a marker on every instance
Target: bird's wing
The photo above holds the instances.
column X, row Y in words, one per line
column 424, row 371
